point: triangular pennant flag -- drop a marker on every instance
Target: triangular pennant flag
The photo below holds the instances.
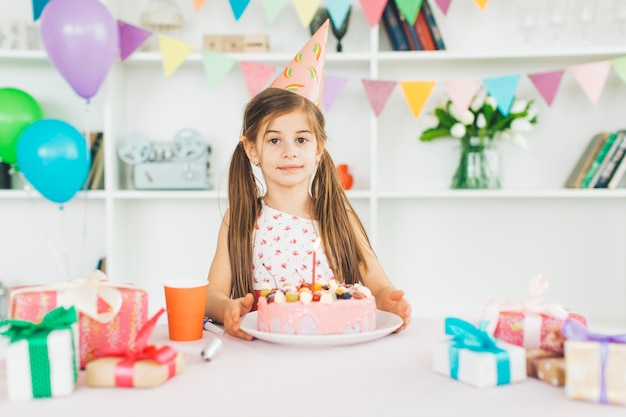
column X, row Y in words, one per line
column 619, row 65
column 333, row 87
column 256, row 75
column 592, row 78
column 416, row 94
column 131, row 38
column 462, row 92
column 306, row 10
column 547, row 83
column 273, row 8
column 338, row 10
column 197, row 4
column 482, row 4
column 174, row 53
column 216, row 66
column 443, row 5
column 238, row 7
column 373, row 10
column 38, row 6
column 378, row 93
column 503, row 90
column 409, row 8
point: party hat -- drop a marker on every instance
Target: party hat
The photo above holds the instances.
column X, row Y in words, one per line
column 305, row 73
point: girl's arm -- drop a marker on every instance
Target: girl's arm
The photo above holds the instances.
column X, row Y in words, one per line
column 388, row 298
column 219, row 306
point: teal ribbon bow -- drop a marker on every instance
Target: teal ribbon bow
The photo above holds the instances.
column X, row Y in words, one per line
column 467, row 336
column 36, row 334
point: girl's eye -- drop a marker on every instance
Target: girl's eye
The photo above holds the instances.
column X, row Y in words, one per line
column 302, row 140
column 274, row 140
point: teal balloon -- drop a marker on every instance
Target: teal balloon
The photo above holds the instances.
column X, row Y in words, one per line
column 17, row 110
column 54, row 158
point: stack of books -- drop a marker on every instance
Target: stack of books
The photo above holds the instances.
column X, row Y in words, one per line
column 602, row 163
column 424, row 35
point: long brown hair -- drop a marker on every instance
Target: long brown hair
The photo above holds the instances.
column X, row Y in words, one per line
column 330, row 205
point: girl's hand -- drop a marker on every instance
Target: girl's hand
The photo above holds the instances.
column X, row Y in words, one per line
column 235, row 309
column 393, row 301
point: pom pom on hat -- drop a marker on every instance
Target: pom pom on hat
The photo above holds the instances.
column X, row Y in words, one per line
column 305, row 73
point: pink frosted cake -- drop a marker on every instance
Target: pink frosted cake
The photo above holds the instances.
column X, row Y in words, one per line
column 330, row 309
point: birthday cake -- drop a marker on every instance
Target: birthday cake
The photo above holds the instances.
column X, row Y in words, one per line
column 330, row 308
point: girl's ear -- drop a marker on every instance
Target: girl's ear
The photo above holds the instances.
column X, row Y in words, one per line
column 250, row 149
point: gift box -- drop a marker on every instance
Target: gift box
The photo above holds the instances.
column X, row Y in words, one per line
column 473, row 356
column 141, row 367
column 530, row 324
column 595, row 365
column 546, row 366
column 109, row 314
column 41, row 358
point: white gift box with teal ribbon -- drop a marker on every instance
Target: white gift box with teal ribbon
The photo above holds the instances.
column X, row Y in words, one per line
column 41, row 358
column 473, row 356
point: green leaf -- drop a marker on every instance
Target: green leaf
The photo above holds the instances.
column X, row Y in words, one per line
column 434, row 133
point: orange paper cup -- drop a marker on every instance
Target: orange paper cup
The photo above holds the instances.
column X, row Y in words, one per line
column 185, row 300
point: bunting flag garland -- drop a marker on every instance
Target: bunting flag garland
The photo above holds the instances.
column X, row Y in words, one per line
column 409, row 8
column 256, row 76
column 462, row 92
column 503, row 89
column 338, row 10
column 378, row 93
column 306, row 10
column 131, row 38
column 174, row 53
column 238, row 7
column 443, row 5
column 592, row 78
column 619, row 65
column 416, row 94
column 482, row 4
column 38, row 6
column 273, row 8
column 373, row 10
column 216, row 66
column 547, row 83
column 197, row 4
column 333, row 87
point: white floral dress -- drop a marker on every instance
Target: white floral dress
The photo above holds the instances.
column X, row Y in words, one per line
column 283, row 250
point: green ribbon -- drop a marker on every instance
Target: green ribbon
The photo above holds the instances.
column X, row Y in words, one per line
column 36, row 334
column 467, row 336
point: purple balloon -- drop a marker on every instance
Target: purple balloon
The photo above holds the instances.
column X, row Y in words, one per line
column 82, row 42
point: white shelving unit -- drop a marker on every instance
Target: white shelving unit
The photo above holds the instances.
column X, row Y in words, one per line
column 450, row 250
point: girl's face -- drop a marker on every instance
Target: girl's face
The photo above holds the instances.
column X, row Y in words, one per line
column 287, row 150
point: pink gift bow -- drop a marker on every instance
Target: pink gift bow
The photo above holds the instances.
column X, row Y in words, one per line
column 163, row 355
column 83, row 294
column 538, row 286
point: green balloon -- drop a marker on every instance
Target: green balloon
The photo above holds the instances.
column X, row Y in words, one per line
column 17, row 111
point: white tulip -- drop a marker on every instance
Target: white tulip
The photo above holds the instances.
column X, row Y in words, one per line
column 520, row 140
column 518, row 106
column 492, row 102
column 430, row 121
column 467, row 117
column 479, row 100
column 521, row 126
column 533, row 111
column 458, row 130
column 481, row 121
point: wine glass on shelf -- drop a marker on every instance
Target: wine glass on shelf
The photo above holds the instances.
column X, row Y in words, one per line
column 528, row 14
column 338, row 32
column 586, row 16
column 557, row 17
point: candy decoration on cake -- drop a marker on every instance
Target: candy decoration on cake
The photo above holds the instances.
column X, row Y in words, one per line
column 304, row 75
column 322, row 308
column 42, row 359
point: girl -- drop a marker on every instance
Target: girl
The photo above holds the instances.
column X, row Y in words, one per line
column 270, row 238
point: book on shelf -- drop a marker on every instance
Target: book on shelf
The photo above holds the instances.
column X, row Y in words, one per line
column 597, row 162
column 96, row 169
column 393, row 27
column 435, row 32
column 586, row 159
column 617, row 179
column 604, row 163
column 612, row 159
column 410, row 33
column 424, row 35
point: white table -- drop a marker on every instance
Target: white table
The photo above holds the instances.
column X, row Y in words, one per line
column 386, row 377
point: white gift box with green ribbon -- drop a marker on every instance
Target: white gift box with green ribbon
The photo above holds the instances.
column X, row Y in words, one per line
column 41, row 359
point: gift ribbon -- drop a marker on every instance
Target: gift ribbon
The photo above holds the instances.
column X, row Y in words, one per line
column 36, row 335
column 573, row 330
column 83, row 293
column 141, row 350
column 477, row 339
column 531, row 309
